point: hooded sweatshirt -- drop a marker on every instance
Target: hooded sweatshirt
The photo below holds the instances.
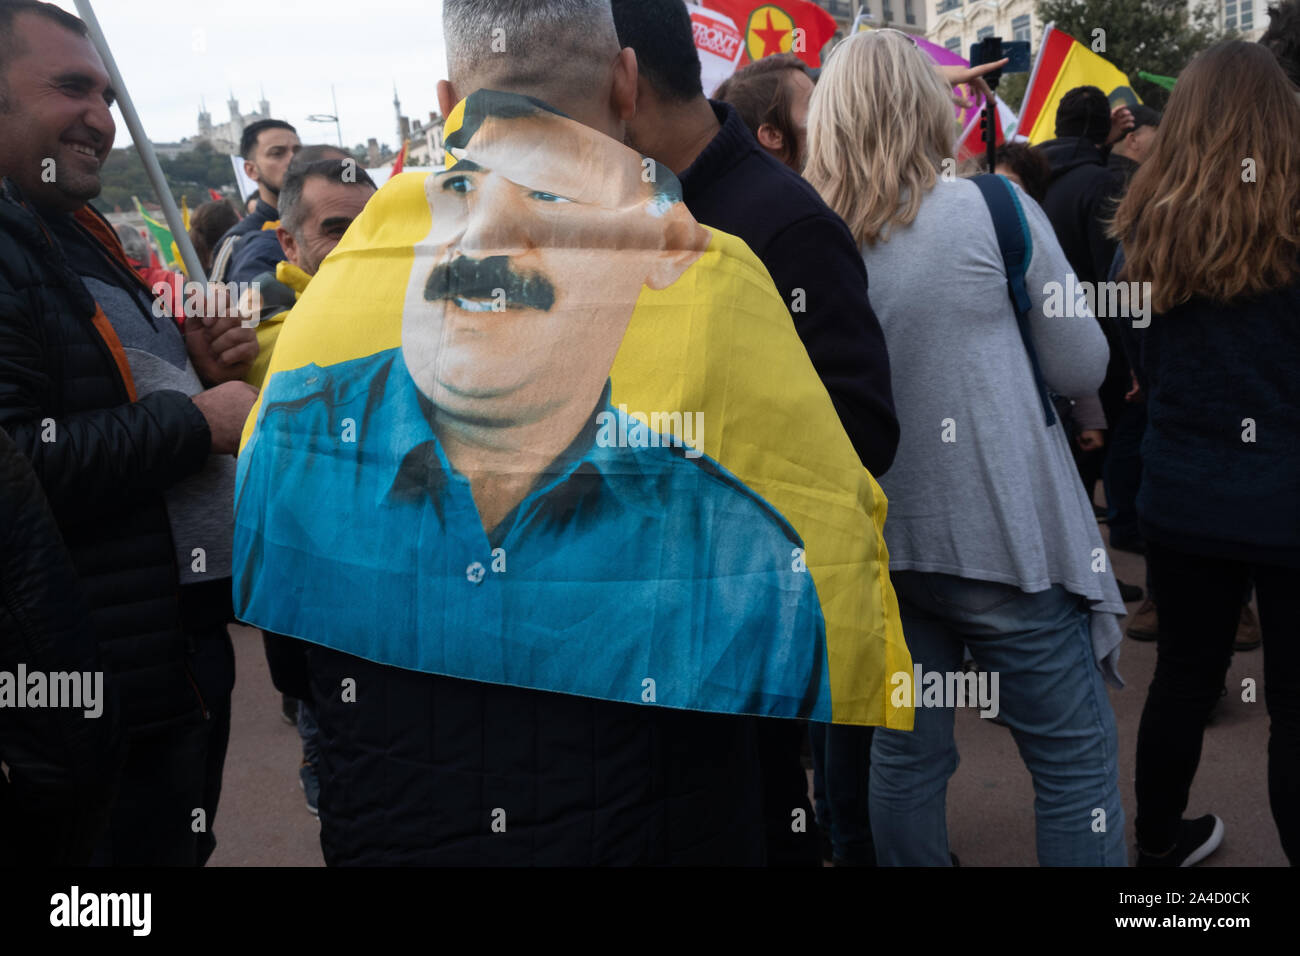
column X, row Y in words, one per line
column 1080, row 195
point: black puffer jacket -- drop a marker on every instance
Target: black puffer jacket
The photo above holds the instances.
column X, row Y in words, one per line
column 67, row 400
column 1081, row 194
column 55, row 800
column 422, row 770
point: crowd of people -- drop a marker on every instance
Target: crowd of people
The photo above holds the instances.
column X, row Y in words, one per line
column 925, row 308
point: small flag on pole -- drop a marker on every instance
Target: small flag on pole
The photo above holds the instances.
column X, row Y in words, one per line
column 1165, row 81
column 160, row 234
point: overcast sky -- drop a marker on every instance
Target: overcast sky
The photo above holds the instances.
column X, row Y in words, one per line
column 174, row 52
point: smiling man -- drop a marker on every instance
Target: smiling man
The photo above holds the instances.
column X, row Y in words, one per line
column 130, row 426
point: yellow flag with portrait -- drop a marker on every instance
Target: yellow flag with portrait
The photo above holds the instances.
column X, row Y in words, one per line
column 532, row 424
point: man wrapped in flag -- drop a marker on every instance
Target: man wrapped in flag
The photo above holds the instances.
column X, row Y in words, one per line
column 488, row 444
column 541, row 475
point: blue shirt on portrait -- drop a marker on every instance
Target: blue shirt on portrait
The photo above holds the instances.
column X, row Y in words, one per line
column 624, row 565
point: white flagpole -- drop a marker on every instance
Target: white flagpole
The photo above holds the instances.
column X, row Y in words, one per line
column 143, row 147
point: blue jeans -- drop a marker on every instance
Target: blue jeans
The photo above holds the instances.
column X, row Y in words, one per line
column 1050, row 693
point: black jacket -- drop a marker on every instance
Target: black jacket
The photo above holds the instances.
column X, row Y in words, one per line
column 54, row 802
column 423, row 770
column 103, row 458
column 735, row 186
column 1221, row 452
column 1123, row 168
column 1081, row 194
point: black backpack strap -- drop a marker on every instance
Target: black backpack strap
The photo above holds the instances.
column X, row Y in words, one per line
column 1017, row 248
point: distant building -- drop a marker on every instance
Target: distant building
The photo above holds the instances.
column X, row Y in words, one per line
column 224, row 137
column 1249, row 17
column 424, row 140
column 907, row 15
column 172, row 150
column 958, row 26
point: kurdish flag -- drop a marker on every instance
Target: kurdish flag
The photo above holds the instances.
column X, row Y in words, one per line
column 532, row 424
column 1064, row 63
column 786, row 26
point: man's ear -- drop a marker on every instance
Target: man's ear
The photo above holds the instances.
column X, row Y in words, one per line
column 250, row 170
column 288, row 245
column 623, row 90
column 684, row 242
column 447, row 98
column 770, row 138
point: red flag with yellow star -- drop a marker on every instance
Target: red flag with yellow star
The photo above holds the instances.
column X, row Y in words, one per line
column 786, row 26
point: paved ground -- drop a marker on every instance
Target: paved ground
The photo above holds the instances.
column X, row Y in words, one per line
column 263, row 822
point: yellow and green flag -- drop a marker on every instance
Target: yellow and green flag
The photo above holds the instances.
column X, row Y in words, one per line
column 168, row 251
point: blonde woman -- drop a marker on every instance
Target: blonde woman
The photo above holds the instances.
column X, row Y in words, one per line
column 992, row 541
column 1212, row 221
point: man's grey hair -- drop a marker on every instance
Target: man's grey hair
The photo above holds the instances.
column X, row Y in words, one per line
column 554, row 50
column 293, row 214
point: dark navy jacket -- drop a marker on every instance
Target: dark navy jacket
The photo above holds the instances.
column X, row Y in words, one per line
column 1221, row 455
column 735, row 186
column 258, row 249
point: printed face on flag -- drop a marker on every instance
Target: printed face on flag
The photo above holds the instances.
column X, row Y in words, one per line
column 544, row 233
column 521, row 429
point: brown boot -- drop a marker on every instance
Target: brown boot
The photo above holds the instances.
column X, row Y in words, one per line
column 1144, row 625
column 1248, row 636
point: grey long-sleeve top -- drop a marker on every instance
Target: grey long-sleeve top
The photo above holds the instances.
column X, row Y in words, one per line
column 981, row 488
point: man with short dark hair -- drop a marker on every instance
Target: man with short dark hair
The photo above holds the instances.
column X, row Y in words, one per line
column 732, row 182
column 807, row 248
column 249, row 248
column 131, row 427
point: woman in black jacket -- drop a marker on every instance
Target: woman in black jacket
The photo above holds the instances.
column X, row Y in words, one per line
column 1212, row 222
column 54, row 802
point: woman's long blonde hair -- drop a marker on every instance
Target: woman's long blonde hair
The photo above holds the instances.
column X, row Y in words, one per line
column 1214, row 211
column 879, row 128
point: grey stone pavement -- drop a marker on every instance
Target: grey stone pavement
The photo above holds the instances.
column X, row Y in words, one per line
column 262, row 820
